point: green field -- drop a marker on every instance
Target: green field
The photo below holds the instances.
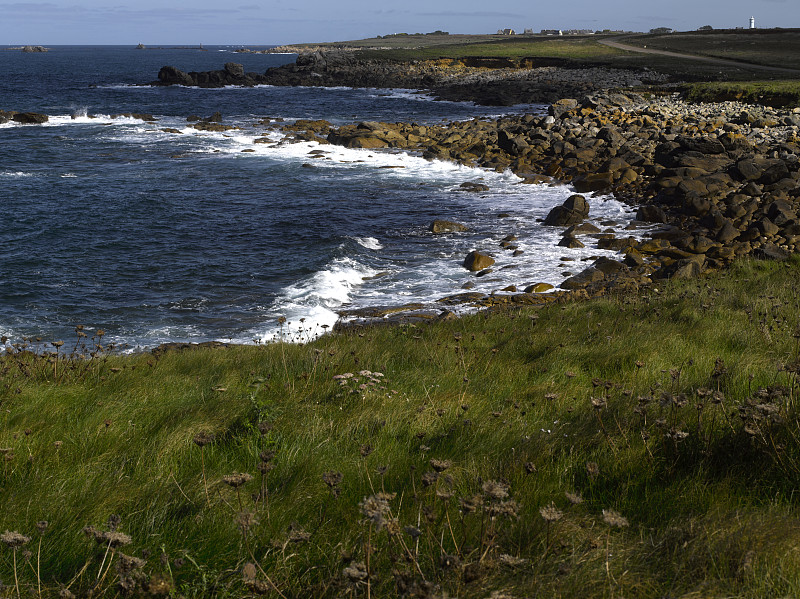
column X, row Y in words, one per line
column 631, row 446
column 771, row 47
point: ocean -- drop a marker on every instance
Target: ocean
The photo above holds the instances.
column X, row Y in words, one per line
column 153, row 236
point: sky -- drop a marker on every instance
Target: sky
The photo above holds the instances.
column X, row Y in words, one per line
column 262, row 22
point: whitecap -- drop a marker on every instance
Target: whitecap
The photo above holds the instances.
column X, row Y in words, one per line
column 369, row 242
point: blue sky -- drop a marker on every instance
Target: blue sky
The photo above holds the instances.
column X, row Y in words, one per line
column 251, row 22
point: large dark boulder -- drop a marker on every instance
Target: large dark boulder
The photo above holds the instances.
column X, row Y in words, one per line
column 571, row 212
column 173, row 76
column 30, row 118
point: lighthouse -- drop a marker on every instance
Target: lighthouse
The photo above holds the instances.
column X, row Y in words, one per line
column 752, row 22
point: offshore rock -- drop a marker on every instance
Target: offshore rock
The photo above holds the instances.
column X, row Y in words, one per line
column 477, row 261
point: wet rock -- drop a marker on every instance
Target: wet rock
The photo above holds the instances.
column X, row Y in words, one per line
column 477, row 261
column 446, row 226
column 30, row 118
column 571, row 212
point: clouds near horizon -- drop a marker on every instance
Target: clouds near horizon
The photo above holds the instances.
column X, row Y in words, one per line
column 277, row 22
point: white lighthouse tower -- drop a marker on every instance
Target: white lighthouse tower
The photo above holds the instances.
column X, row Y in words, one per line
column 752, row 22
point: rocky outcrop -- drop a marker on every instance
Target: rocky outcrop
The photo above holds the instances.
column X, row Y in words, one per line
column 484, row 81
column 25, row 118
column 232, row 74
column 445, row 226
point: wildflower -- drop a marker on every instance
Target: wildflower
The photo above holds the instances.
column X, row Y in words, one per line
column 551, row 513
column 42, row 526
column 470, row 504
column 573, row 498
column 14, row 539
column 614, row 519
column 112, row 538
column 246, row 520
column 376, row 509
column 495, row 489
column 440, row 465
column 365, row 450
column 429, row 478
column 598, row 403
column 508, row 509
column 355, row 572
column 332, row 479
column 203, row 438
column 592, row 469
column 510, row 560
column 237, row 479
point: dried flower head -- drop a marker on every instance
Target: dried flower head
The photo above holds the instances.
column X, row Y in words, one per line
column 376, row 508
column 355, row 573
column 507, row 509
column 42, row 525
column 614, row 519
column 332, row 479
column 237, row 479
column 440, row 465
column 14, row 539
column 246, row 520
column 551, row 513
column 573, row 498
column 203, row 438
column 467, row 505
column 495, row 489
column 592, row 469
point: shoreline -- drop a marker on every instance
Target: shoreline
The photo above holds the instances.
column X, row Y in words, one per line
column 719, row 180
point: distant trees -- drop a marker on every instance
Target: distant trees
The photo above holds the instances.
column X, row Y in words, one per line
column 705, row 28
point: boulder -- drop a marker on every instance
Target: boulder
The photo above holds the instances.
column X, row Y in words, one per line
column 477, row 261
column 582, row 279
column 173, row 76
column 30, row 118
column 538, row 288
column 474, row 187
column 445, row 226
column 571, row 212
column 651, row 213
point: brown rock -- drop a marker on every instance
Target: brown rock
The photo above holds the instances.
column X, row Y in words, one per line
column 476, row 261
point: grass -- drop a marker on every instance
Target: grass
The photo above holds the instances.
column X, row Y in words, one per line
column 625, row 446
column 577, row 48
column 771, row 93
column 770, row 47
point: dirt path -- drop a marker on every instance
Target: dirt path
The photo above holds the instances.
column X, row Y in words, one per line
column 614, row 43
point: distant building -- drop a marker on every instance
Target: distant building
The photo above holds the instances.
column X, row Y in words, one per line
column 506, row 32
column 579, row 32
column 552, row 32
column 752, row 22
column 528, row 31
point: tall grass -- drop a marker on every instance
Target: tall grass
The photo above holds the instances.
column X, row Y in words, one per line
column 625, row 446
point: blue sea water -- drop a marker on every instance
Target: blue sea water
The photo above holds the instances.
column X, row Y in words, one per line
column 113, row 223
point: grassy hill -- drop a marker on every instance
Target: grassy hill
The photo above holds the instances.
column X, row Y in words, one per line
column 639, row 446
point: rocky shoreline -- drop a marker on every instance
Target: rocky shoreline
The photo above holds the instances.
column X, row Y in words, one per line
column 486, row 81
column 714, row 181
column 720, row 180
